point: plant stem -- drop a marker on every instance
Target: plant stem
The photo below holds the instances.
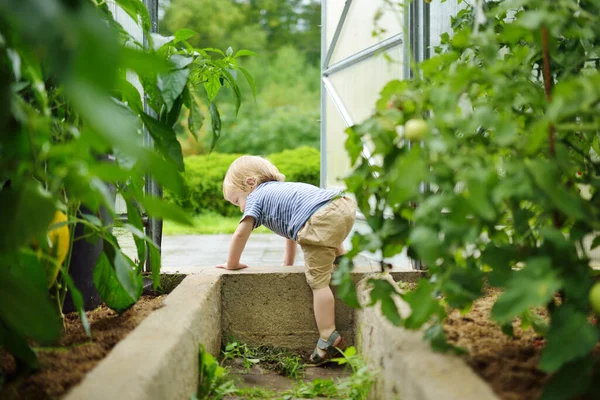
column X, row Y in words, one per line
column 548, row 90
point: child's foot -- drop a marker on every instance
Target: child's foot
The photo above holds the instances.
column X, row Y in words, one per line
column 327, row 349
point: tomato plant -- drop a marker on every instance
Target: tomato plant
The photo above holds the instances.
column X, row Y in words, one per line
column 502, row 169
column 67, row 102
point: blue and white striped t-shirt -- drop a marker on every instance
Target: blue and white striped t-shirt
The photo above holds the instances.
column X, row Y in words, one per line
column 284, row 207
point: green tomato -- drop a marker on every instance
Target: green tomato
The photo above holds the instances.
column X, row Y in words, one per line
column 595, row 297
column 415, row 129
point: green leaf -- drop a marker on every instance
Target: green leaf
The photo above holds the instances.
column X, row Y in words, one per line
column 229, row 51
column 570, row 337
column 384, row 292
column 130, row 95
column 135, row 8
column 439, row 341
column 213, row 50
column 478, row 196
column 155, row 263
column 124, row 268
column 243, row 52
column 533, row 19
column 184, row 34
column 97, row 54
column 173, row 115
column 17, row 345
column 166, row 172
column 109, row 171
column 25, row 211
column 406, row 177
column 423, row 305
column 462, row 286
column 159, row 40
column 111, row 291
column 77, row 301
column 165, row 139
column 162, row 209
column 108, row 121
column 250, row 80
column 427, row 243
column 215, row 119
column 595, row 242
column 171, row 85
column 532, row 286
column 350, row 352
column 539, row 324
column 180, row 61
column 546, row 175
column 571, row 381
column 24, row 302
column 354, row 147
column 15, row 61
column 345, row 287
column 143, row 62
column 212, row 87
column 508, row 329
column 236, row 90
column 196, row 118
column 134, row 218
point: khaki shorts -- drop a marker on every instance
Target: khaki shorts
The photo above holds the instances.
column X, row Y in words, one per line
column 322, row 234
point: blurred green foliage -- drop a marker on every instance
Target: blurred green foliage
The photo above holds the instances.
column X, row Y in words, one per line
column 286, row 35
column 71, row 118
column 298, row 165
column 510, row 150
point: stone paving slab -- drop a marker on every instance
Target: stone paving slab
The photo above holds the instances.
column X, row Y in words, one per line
column 196, row 253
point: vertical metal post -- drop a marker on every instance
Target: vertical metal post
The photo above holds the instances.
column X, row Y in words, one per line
column 426, row 30
column 418, row 28
column 154, row 225
column 323, row 120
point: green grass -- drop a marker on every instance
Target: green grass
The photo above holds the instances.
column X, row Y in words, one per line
column 206, row 224
column 216, row 383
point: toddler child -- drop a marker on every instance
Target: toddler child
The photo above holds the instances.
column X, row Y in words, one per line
column 317, row 219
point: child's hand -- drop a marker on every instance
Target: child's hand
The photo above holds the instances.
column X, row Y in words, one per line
column 232, row 267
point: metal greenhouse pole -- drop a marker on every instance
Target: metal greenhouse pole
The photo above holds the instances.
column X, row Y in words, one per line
column 352, row 74
column 153, row 225
column 353, row 71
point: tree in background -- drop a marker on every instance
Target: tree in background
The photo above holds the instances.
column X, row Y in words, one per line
column 216, row 22
column 286, row 36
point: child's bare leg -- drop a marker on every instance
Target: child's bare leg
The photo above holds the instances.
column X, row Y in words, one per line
column 340, row 251
column 324, row 306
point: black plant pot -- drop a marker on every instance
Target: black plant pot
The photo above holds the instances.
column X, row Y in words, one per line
column 83, row 261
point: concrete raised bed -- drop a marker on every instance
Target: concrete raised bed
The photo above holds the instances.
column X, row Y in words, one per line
column 407, row 367
column 269, row 306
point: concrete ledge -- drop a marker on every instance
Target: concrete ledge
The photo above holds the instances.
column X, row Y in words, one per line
column 273, row 306
column 159, row 359
column 406, row 366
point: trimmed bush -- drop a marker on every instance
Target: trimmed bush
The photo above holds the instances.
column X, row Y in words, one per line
column 299, row 165
column 204, row 178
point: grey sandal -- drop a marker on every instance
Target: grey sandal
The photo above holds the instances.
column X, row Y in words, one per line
column 332, row 347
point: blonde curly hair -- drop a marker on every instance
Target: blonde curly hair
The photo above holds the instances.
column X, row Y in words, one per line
column 247, row 172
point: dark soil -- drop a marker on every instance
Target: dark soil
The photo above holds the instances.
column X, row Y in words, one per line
column 508, row 365
column 65, row 365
